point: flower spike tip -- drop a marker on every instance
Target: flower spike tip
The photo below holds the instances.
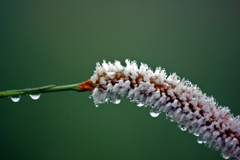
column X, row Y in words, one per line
column 180, row 99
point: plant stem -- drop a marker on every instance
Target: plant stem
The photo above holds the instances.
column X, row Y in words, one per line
column 80, row 87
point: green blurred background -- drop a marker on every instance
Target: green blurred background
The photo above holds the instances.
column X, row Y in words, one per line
column 59, row 42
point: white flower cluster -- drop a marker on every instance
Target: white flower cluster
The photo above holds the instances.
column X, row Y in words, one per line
column 183, row 102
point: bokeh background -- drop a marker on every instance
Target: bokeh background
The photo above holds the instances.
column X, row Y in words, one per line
column 59, row 42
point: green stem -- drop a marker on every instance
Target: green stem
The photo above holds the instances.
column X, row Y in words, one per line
column 44, row 89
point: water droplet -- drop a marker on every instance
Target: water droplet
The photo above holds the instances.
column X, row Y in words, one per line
column 199, row 141
column 196, row 134
column 225, row 156
column 204, row 141
column 171, row 120
column 35, row 96
column 90, row 97
column 153, row 114
column 140, row 104
column 116, row 101
column 16, row 98
column 182, row 127
column 106, row 100
column 96, row 105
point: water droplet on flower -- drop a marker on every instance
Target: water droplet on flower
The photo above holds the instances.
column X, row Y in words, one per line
column 204, row 141
column 16, row 98
column 116, row 101
column 225, row 156
column 196, row 134
column 106, row 100
column 182, row 127
column 140, row 104
column 35, row 96
column 199, row 141
column 153, row 114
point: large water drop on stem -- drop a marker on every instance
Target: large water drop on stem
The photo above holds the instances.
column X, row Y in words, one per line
column 35, row 96
column 16, row 98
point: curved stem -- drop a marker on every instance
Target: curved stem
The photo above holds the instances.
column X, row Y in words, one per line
column 80, row 87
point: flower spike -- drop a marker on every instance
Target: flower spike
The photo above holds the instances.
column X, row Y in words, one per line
column 180, row 99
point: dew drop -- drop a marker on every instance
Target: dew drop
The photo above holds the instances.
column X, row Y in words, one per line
column 90, row 97
column 196, row 134
column 35, row 96
column 225, row 156
column 96, row 105
column 15, row 98
column 199, row 141
column 116, row 101
column 204, row 141
column 140, row 104
column 153, row 114
column 106, row 100
column 182, row 127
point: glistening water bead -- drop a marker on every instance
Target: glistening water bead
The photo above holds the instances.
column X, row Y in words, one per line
column 153, row 114
column 199, row 141
column 182, row 101
column 182, row 127
column 140, row 104
column 16, row 98
column 115, row 101
column 35, row 96
column 225, row 156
